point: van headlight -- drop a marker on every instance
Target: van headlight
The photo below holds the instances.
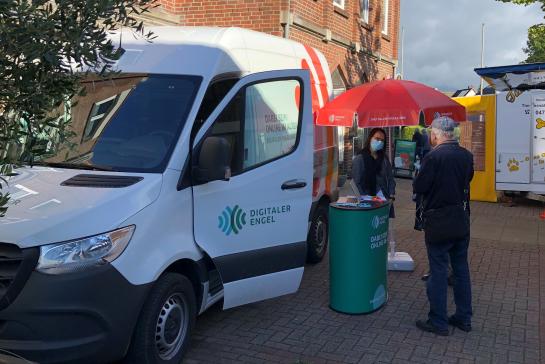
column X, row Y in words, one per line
column 80, row 254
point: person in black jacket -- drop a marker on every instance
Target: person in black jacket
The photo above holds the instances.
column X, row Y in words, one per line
column 417, row 138
column 443, row 183
column 426, row 147
column 371, row 169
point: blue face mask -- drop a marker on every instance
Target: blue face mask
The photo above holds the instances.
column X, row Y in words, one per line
column 376, row 145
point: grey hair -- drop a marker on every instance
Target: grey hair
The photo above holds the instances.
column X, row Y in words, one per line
column 447, row 135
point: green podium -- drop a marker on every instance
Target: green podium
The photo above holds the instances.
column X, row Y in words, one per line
column 358, row 261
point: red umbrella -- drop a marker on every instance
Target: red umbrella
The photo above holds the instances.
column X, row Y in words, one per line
column 389, row 103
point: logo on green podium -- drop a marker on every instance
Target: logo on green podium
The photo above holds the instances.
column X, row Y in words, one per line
column 378, row 221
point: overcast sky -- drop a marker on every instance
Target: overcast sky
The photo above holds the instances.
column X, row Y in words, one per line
column 443, row 38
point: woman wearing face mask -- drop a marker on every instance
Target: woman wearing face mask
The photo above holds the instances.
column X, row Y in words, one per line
column 371, row 169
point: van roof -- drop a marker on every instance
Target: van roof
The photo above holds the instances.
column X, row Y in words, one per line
column 215, row 36
column 206, row 51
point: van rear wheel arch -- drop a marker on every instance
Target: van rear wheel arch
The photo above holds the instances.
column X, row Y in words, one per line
column 317, row 238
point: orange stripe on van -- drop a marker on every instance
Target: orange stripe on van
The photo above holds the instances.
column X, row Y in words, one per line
column 315, row 107
column 329, row 161
column 320, row 73
column 315, row 100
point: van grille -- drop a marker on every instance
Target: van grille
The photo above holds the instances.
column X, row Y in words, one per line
column 16, row 265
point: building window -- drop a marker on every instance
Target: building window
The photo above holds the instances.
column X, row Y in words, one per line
column 339, row 3
column 97, row 117
column 365, row 10
column 385, row 16
column 339, row 82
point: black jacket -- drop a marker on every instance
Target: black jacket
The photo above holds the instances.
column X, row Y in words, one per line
column 385, row 179
column 444, row 176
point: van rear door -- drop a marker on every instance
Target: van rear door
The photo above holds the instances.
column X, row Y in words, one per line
column 514, row 130
column 538, row 147
column 254, row 224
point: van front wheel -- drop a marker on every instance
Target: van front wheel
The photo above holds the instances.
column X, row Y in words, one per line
column 318, row 235
column 162, row 333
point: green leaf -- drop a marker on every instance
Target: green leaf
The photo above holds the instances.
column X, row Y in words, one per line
column 535, row 46
column 36, row 74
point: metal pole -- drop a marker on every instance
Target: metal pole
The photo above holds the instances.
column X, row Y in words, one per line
column 482, row 55
column 402, row 52
column 287, row 28
column 390, row 144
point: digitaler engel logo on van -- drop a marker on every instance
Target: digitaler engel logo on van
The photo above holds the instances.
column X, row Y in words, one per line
column 232, row 220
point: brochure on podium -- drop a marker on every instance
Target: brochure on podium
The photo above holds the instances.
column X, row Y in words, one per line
column 359, row 200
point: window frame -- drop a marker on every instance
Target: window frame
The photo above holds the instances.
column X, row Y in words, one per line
column 364, row 11
column 299, row 121
column 339, row 3
column 228, row 77
column 385, row 16
column 338, row 71
column 92, row 119
column 243, row 121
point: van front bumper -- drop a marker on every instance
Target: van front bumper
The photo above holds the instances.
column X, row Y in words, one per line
column 84, row 317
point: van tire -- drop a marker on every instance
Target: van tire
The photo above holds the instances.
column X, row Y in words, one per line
column 318, row 235
column 171, row 303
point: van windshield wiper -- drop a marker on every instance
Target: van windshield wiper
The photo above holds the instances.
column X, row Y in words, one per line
column 89, row 167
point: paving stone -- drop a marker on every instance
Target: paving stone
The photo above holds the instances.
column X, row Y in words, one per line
column 509, row 311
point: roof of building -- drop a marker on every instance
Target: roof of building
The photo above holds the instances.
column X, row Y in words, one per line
column 464, row 92
column 516, row 68
column 519, row 76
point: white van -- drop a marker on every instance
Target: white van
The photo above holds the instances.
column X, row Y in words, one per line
column 520, row 127
column 194, row 175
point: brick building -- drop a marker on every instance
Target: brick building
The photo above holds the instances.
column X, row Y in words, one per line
column 358, row 37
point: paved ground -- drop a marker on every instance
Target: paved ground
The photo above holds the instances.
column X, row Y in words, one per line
column 507, row 252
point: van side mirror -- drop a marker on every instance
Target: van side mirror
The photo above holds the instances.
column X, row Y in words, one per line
column 214, row 160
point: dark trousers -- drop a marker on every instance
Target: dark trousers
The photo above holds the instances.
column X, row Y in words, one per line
column 437, row 283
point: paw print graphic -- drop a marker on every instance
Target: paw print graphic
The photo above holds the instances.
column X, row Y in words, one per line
column 513, row 165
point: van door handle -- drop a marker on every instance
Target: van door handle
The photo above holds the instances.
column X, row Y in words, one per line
column 292, row 185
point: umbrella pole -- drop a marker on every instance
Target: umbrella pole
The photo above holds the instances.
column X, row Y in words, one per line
column 390, row 143
column 391, row 240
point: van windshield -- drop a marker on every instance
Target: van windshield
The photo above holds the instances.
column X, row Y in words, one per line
column 128, row 123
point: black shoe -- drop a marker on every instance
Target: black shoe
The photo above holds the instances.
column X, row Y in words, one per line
column 459, row 324
column 429, row 327
column 425, row 277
